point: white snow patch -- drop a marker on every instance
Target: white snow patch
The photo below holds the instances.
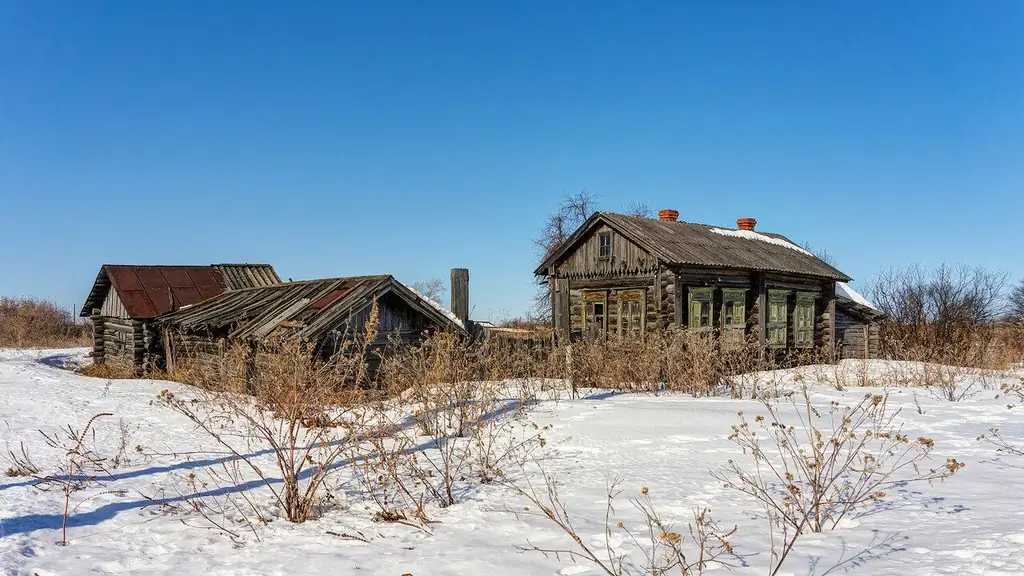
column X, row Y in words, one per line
column 751, row 235
column 437, row 305
column 844, row 290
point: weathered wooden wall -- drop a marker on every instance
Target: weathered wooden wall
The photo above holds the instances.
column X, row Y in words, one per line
column 856, row 337
column 626, row 259
column 112, row 306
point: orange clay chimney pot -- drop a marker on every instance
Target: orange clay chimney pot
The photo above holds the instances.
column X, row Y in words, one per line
column 668, row 215
column 746, row 224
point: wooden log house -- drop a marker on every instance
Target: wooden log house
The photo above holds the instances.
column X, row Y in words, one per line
column 125, row 300
column 621, row 276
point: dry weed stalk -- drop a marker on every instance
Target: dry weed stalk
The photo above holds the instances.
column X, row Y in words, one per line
column 811, row 468
column 81, row 467
column 21, row 463
column 704, row 544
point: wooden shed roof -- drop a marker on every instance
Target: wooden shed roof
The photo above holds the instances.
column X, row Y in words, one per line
column 311, row 307
column 690, row 244
column 150, row 291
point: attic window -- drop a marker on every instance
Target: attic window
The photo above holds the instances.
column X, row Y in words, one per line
column 605, row 244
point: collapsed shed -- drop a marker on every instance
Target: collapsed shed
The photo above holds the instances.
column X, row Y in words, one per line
column 325, row 313
column 125, row 299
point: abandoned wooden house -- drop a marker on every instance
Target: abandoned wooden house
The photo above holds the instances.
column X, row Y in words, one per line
column 622, row 276
column 324, row 313
column 125, row 300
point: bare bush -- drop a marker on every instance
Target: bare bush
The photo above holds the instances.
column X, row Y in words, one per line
column 459, row 408
column 297, row 408
column 35, row 323
column 946, row 315
column 703, row 545
column 810, row 469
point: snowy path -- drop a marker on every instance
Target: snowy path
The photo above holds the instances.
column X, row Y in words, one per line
column 972, row 524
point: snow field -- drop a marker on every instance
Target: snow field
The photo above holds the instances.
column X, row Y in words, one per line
column 971, row 524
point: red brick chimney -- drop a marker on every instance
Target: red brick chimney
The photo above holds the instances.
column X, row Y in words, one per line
column 746, row 224
column 668, row 215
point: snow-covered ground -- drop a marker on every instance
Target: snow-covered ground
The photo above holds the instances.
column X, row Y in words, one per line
column 971, row 524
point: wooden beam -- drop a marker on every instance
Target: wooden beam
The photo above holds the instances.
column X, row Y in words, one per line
column 460, row 294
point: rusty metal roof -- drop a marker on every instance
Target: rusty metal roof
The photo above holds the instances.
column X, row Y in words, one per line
column 690, row 244
column 150, row 291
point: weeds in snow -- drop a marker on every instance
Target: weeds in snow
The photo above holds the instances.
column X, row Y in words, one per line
column 81, row 467
column 703, row 545
column 811, row 468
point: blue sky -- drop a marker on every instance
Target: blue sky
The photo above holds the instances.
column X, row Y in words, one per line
column 342, row 138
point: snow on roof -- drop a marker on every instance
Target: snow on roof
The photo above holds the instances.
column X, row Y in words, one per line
column 448, row 313
column 751, row 235
column 843, row 290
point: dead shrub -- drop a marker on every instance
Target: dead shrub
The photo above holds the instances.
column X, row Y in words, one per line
column 36, row 323
column 292, row 407
column 704, row 544
column 811, row 468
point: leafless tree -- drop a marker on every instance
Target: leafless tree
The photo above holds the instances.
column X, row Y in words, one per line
column 822, row 254
column 640, row 209
column 433, row 289
column 942, row 314
column 1015, row 309
column 573, row 211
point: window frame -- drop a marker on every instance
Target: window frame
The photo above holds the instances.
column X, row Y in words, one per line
column 706, row 297
column 803, row 337
column 594, row 297
column 777, row 298
column 626, row 298
column 735, row 332
column 601, row 237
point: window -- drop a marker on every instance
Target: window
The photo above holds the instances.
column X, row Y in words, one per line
column 700, row 308
column 605, row 242
column 778, row 317
column 594, row 314
column 734, row 316
column 631, row 314
column 803, row 320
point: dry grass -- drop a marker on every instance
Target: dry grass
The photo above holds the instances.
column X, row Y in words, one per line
column 109, row 371
column 35, row 323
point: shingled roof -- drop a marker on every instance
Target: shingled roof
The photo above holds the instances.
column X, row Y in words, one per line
column 150, row 291
column 311, row 307
column 703, row 245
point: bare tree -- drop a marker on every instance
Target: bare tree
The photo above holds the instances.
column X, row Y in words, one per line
column 1015, row 309
column 821, row 253
column 640, row 209
column 940, row 314
column 573, row 211
column 433, row 289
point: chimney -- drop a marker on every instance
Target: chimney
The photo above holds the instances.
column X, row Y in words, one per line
column 746, row 224
column 460, row 294
column 668, row 215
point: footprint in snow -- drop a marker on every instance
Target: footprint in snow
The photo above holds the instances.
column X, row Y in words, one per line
column 573, row 570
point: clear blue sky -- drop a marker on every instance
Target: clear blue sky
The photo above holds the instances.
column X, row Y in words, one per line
column 342, row 138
